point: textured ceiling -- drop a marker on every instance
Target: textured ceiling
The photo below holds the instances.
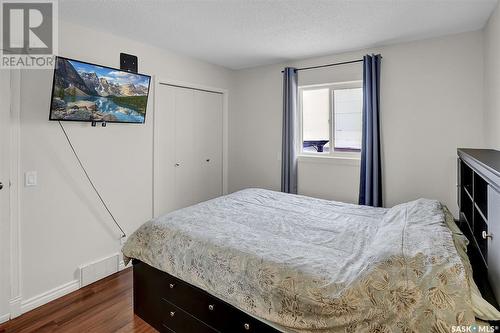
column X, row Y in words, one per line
column 239, row 34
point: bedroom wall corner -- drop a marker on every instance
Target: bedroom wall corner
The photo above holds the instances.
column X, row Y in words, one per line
column 492, row 79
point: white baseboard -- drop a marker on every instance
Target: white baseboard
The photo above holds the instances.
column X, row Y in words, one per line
column 18, row 306
column 48, row 296
column 15, row 307
column 4, row 318
column 122, row 266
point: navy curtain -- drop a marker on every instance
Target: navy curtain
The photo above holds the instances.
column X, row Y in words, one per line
column 290, row 132
column 370, row 186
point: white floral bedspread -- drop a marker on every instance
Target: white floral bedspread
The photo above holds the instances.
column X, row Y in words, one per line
column 311, row 265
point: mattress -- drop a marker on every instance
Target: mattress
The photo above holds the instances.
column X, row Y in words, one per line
column 311, row 265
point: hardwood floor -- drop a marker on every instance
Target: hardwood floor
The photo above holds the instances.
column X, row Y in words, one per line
column 105, row 306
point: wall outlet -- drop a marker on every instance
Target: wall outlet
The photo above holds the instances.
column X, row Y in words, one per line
column 30, row 178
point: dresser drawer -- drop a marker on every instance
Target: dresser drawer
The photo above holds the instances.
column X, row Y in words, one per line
column 480, row 230
column 494, row 240
column 179, row 321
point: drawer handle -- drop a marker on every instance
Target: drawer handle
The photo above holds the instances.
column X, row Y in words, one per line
column 246, row 326
column 211, row 307
column 172, row 285
column 172, row 313
column 486, row 235
column 208, row 160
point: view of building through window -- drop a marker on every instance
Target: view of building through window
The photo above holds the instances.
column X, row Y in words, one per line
column 321, row 105
column 348, row 107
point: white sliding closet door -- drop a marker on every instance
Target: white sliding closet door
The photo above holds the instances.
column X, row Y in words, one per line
column 208, row 151
column 189, row 147
column 186, row 168
column 164, row 155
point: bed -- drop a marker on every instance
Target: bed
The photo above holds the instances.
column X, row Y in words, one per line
column 292, row 263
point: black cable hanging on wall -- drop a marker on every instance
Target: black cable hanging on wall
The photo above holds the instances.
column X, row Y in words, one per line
column 90, row 180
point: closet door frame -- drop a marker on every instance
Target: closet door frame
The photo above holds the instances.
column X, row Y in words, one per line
column 156, row 131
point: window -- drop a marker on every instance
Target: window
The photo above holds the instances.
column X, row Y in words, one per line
column 331, row 118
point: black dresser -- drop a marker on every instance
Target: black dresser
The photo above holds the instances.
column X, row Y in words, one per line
column 479, row 202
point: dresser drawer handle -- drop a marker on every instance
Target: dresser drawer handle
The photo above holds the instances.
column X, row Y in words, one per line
column 246, row 326
column 172, row 313
column 172, row 285
column 486, row 235
column 211, row 307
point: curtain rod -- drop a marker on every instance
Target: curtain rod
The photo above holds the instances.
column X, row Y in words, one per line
column 329, row 65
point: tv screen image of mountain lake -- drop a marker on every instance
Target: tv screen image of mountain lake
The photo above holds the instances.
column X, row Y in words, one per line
column 86, row 92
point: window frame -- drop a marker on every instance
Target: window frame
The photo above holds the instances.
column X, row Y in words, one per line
column 345, row 153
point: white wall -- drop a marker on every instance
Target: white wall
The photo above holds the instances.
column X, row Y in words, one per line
column 492, row 80
column 63, row 225
column 431, row 103
column 329, row 178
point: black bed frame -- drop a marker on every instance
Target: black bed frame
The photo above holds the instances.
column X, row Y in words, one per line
column 172, row 305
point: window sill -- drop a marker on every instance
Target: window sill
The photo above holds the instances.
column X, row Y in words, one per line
column 353, row 159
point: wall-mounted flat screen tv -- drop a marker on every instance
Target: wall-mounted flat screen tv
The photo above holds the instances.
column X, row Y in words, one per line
column 87, row 92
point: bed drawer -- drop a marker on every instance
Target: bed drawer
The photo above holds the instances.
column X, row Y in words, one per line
column 179, row 321
column 197, row 302
column 183, row 295
column 209, row 309
column 227, row 318
column 156, row 293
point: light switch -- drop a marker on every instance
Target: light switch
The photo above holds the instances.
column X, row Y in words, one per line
column 30, row 178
